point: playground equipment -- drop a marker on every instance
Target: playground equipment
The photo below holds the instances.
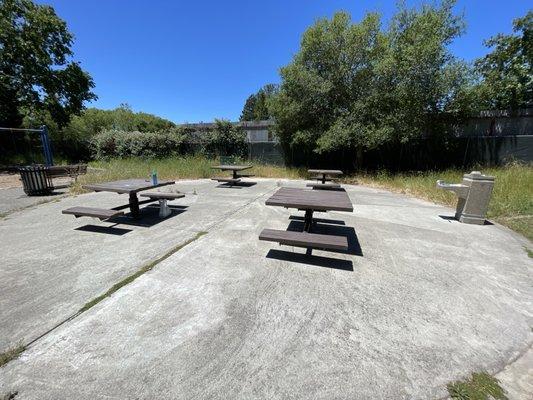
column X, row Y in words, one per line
column 45, row 140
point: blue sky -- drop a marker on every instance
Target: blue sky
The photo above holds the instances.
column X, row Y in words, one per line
column 192, row 61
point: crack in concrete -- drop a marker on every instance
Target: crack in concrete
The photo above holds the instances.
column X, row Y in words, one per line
column 117, row 286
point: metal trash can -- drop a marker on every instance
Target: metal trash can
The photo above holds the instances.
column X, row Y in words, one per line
column 36, row 180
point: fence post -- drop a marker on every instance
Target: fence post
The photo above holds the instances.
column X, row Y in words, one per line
column 47, row 149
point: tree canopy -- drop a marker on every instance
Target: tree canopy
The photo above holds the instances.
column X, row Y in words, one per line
column 93, row 120
column 361, row 85
column 37, row 76
column 507, row 71
column 256, row 106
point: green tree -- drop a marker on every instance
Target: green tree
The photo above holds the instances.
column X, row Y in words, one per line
column 226, row 139
column 507, row 71
column 248, row 113
column 92, row 121
column 357, row 85
column 37, row 76
column 256, row 105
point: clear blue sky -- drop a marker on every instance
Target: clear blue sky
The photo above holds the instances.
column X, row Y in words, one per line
column 196, row 60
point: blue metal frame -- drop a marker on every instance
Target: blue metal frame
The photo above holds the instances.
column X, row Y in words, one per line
column 47, row 148
column 45, row 140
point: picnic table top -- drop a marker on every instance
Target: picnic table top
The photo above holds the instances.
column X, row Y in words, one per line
column 126, row 185
column 231, row 167
column 325, row 171
column 319, row 200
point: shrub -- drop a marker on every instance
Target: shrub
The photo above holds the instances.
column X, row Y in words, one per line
column 226, row 139
column 223, row 139
column 112, row 143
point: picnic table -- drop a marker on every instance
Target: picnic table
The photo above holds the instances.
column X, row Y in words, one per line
column 308, row 201
column 324, row 173
column 236, row 177
column 127, row 186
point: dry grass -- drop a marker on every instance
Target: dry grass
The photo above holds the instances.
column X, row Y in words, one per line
column 187, row 167
column 511, row 204
column 11, row 354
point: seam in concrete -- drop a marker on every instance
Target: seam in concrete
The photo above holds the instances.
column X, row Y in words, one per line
column 231, row 213
column 141, row 271
column 29, row 207
column 134, row 276
column 117, row 286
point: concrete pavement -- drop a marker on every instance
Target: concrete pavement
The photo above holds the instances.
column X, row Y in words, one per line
column 418, row 301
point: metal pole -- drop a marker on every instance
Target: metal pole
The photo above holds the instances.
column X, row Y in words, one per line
column 47, row 149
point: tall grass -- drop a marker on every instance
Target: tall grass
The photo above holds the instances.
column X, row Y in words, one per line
column 511, row 204
column 512, row 198
column 186, row 167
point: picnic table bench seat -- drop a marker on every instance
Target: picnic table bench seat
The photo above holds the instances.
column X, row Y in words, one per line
column 228, row 180
column 101, row 213
column 305, row 239
column 162, row 196
column 324, row 186
column 320, row 178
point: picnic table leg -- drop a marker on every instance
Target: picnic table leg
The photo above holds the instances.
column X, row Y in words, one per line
column 235, row 174
column 308, row 220
column 134, row 205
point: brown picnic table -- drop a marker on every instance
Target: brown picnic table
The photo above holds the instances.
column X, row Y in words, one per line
column 235, row 169
column 308, row 201
column 324, row 173
column 127, row 186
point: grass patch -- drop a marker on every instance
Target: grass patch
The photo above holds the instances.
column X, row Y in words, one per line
column 511, row 204
column 172, row 168
column 512, row 199
column 137, row 274
column 479, row 387
column 11, row 354
column 529, row 252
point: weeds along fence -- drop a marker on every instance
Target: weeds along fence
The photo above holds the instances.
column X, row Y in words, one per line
column 421, row 155
column 464, row 152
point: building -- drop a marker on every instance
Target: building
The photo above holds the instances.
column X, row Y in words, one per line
column 256, row 131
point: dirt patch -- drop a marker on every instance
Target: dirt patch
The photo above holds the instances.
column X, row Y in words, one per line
column 9, row 180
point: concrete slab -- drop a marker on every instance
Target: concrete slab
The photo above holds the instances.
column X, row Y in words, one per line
column 53, row 264
column 417, row 301
column 14, row 199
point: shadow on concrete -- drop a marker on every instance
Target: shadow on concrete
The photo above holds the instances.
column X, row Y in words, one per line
column 354, row 248
column 319, row 220
column 149, row 216
column 451, row 218
column 318, row 261
column 239, row 185
column 110, row 230
column 54, row 193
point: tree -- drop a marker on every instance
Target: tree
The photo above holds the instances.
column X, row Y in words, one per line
column 248, row 113
column 356, row 85
column 37, row 76
column 122, row 118
column 226, row 139
column 507, row 71
column 256, row 106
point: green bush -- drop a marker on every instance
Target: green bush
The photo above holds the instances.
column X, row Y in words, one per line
column 111, row 143
column 223, row 138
